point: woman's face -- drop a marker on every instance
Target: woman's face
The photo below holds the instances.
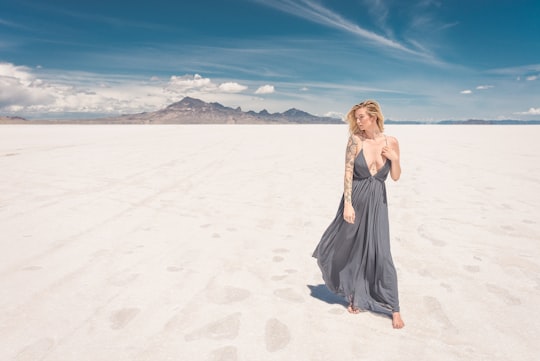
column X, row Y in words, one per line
column 363, row 119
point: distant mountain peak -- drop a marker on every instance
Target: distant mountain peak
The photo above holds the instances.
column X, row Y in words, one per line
column 187, row 102
column 293, row 112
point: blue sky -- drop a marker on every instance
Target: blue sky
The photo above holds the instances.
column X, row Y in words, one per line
column 421, row 59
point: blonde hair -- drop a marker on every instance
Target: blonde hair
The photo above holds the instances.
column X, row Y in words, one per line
column 372, row 108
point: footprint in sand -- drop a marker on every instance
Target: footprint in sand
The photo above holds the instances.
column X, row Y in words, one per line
column 227, row 295
column 227, row 353
column 277, row 335
column 472, row 269
column 281, row 250
column 508, row 228
column 424, row 272
column 225, row 328
column 120, row 280
column 119, row 319
column 32, row 268
column 174, row 269
column 282, row 277
column 503, row 294
column 277, row 259
column 435, row 309
column 289, row 294
column 36, row 350
column 446, row 286
column 425, row 234
column 265, row 224
column 337, row 311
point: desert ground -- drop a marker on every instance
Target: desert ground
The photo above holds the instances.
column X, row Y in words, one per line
column 194, row 242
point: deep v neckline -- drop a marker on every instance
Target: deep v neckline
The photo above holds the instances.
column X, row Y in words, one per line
column 367, row 165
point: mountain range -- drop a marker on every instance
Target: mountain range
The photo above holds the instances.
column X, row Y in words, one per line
column 195, row 111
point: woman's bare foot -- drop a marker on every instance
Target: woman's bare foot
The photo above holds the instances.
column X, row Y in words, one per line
column 397, row 322
column 352, row 309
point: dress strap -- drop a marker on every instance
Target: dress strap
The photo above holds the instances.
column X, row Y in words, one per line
column 385, row 140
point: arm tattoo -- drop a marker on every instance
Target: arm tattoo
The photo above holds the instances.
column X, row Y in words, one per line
column 350, row 155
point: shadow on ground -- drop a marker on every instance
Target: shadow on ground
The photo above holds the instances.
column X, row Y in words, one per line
column 322, row 293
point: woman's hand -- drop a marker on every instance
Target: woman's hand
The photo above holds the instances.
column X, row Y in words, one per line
column 348, row 213
column 389, row 153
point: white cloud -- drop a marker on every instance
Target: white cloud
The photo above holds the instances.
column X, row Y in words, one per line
column 19, row 88
column 466, row 91
column 19, row 72
column 532, row 77
column 45, row 93
column 338, row 115
column 189, row 82
column 265, row 89
column 196, row 83
column 531, row 111
column 24, row 92
column 304, row 89
column 484, row 87
column 232, row 87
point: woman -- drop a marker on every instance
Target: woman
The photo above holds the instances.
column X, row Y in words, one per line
column 354, row 252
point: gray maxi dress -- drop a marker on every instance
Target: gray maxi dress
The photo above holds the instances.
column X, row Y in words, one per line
column 355, row 259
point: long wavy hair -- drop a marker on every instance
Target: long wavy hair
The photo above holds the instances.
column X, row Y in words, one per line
column 372, row 108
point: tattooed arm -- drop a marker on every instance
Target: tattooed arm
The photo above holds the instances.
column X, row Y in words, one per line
column 350, row 156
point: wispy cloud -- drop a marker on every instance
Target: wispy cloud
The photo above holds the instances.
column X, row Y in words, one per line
column 467, row 91
column 516, row 70
column 448, row 25
column 484, row 87
column 11, row 24
column 379, row 11
column 44, row 7
column 313, row 11
column 426, row 3
column 114, row 21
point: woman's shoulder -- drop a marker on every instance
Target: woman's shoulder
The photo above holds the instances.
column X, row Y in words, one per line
column 355, row 138
column 391, row 139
